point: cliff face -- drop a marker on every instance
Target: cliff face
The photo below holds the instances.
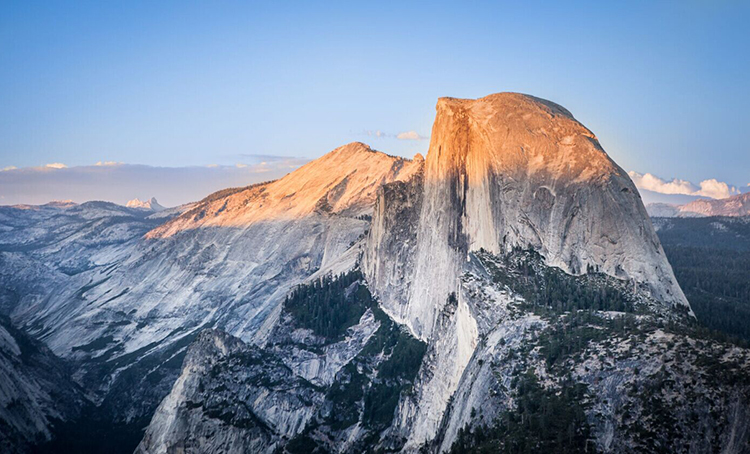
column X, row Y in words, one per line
column 323, row 380
column 502, row 172
column 513, row 170
column 36, row 391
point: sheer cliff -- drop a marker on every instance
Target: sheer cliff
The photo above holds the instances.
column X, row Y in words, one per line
column 513, row 170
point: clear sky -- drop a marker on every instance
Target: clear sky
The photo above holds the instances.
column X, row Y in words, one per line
column 664, row 85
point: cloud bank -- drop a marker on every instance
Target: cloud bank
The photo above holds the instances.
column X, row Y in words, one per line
column 117, row 182
column 711, row 188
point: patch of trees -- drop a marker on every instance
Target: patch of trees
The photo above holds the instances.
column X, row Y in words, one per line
column 395, row 375
column 554, row 289
column 377, row 386
column 329, row 306
column 717, row 284
column 573, row 334
column 543, row 420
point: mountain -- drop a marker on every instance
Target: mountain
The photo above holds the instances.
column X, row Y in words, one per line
column 503, row 172
column 120, row 293
column 652, row 197
column 507, row 293
column 511, row 170
column 149, row 205
column 664, row 210
column 723, row 233
column 738, row 205
column 510, row 295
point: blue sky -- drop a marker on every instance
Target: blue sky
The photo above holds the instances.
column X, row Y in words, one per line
column 664, row 85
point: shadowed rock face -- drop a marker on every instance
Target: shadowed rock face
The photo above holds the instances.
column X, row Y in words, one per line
column 35, row 391
column 514, row 170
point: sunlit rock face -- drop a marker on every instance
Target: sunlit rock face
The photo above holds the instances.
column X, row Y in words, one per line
column 514, row 170
column 343, row 181
column 504, row 171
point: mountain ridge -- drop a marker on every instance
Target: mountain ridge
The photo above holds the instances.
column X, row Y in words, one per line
column 736, row 206
column 344, row 179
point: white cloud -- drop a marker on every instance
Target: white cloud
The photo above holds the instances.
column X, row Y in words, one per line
column 378, row 133
column 240, row 165
column 108, row 163
column 711, row 188
column 717, row 189
column 409, row 135
column 651, row 182
column 56, row 165
column 5, row 169
column 406, row 135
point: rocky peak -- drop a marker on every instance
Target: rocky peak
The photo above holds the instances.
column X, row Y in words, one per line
column 511, row 170
column 149, row 205
column 344, row 181
column 514, row 134
column 503, row 172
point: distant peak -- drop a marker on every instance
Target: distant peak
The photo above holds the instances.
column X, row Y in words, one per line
column 353, row 148
column 60, row 203
column 151, row 204
column 356, row 150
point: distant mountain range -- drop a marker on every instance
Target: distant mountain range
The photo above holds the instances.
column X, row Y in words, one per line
column 738, row 205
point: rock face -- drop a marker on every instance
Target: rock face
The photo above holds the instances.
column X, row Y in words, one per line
column 504, row 171
column 513, row 170
column 35, row 391
column 321, row 380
